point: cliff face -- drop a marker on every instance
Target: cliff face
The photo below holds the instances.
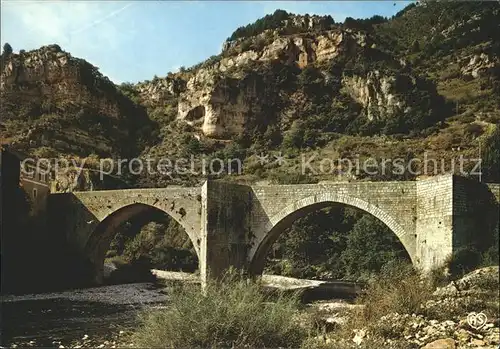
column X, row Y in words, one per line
column 222, row 98
column 387, row 81
column 228, row 94
column 51, row 99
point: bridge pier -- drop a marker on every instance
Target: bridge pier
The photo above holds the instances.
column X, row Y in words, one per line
column 453, row 213
column 225, row 228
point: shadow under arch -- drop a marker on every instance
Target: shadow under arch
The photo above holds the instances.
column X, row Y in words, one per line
column 100, row 239
column 284, row 219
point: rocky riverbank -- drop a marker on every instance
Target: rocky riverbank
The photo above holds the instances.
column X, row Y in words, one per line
column 462, row 314
column 105, row 317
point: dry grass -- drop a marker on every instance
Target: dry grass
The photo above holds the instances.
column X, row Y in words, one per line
column 398, row 289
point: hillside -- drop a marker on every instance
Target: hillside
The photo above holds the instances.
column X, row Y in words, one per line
column 58, row 104
column 455, row 46
column 426, row 80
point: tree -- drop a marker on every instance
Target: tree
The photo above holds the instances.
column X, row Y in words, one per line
column 315, row 242
column 415, row 46
column 491, row 158
column 294, row 137
column 370, row 245
column 7, row 49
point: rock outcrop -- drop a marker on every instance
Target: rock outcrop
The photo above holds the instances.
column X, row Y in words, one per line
column 442, row 322
column 479, row 65
column 52, row 99
column 376, row 93
column 220, row 99
column 360, row 77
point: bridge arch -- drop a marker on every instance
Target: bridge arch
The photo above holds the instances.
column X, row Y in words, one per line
column 103, row 232
column 277, row 224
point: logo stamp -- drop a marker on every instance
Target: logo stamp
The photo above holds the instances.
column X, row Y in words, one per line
column 476, row 320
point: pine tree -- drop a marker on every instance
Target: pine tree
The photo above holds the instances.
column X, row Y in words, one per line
column 7, row 49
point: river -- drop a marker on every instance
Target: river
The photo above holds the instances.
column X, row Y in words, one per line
column 104, row 316
column 65, row 318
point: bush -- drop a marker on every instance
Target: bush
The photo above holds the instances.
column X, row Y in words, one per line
column 7, row 49
column 439, row 276
column 268, row 22
column 473, row 130
column 463, row 260
column 231, row 313
column 398, row 289
column 491, row 157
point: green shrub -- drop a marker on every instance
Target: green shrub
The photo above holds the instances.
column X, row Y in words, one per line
column 473, row 130
column 231, row 313
column 268, row 22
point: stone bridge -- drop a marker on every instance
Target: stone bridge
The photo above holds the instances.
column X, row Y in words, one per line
column 236, row 225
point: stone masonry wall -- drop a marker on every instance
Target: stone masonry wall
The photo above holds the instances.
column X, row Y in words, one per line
column 226, row 226
column 89, row 219
column 182, row 204
column 434, row 220
column 236, row 225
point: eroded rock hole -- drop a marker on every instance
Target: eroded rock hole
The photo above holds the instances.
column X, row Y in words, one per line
column 196, row 113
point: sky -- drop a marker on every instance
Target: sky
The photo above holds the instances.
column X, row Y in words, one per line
column 132, row 41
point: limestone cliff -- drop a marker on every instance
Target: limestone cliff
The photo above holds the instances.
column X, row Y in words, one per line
column 222, row 97
column 51, row 99
column 354, row 63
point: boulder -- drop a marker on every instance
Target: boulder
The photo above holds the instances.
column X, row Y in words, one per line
column 446, row 343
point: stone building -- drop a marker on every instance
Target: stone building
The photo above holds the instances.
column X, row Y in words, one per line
column 17, row 170
column 35, row 181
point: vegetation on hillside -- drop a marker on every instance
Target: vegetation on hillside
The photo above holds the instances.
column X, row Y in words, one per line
column 88, row 116
column 437, row 37
column 277, row 20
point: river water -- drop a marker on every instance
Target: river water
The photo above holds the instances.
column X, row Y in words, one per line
column 49, row 319
column 105, row 315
